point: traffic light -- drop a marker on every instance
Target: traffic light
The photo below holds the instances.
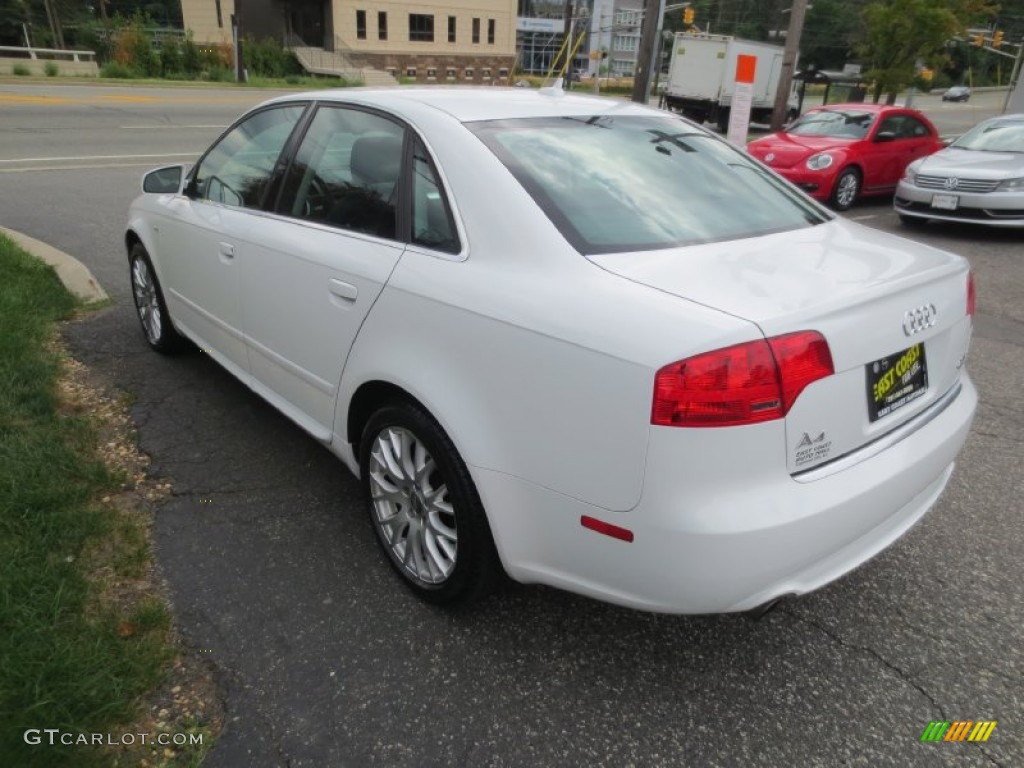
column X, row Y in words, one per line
column 688, row 16
column 997, row 38
column 979, row 40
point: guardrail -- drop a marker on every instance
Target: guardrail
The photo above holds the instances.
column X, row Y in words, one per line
column 45, row 54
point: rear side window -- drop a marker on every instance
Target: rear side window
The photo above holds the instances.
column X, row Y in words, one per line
column 432, row 224
column 613, row 184
column 346, row 172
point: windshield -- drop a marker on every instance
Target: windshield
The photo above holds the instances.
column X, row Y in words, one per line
column 996, row 136
column 613, row 184
column 846, row 124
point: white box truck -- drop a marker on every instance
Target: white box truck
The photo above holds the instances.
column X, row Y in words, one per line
column 702, row 76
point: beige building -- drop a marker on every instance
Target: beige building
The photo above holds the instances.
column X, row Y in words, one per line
column 445, row 40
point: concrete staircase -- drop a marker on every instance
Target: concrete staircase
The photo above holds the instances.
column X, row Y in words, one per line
column 318, row 61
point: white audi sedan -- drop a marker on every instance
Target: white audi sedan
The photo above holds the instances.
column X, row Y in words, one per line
column 577, row 340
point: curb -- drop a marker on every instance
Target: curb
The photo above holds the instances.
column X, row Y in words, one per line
column 74, row 274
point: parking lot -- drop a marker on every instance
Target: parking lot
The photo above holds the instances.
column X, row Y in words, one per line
column 325, row 660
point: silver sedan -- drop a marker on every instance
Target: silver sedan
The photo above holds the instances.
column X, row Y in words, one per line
column 979, row 179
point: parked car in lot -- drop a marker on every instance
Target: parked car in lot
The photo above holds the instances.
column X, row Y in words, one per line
column 957, row 93
column 978, row 179
column 577, row 339
column 842, row 152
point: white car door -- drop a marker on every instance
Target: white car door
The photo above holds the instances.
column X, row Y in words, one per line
column 198, row 238
column 311, row 273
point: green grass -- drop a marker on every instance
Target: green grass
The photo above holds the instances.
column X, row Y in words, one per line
column 63, row 662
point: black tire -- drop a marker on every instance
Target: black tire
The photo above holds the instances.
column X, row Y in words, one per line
column 722, row 119
column 149, row 303
column 846, row 190
column 415, row 502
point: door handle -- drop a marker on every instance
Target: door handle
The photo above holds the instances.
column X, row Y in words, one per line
column 342, row 290
column 227, row 250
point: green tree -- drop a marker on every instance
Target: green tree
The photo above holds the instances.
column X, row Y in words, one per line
column 897, row 34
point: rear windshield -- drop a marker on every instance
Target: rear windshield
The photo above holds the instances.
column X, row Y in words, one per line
column 613, row 184
column 841, row 124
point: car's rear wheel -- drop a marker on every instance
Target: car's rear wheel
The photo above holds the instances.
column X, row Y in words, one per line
column 846, row 189
column 150, row 304
column 425, row 508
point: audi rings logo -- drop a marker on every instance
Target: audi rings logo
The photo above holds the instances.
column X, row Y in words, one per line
column 920, row 319
column 951, row 183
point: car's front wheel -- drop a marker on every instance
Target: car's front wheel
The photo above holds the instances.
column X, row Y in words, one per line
column 425, row 508
column 150, row 304
column 846, row 190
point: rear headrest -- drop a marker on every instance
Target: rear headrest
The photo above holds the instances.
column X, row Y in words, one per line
column 377, row 159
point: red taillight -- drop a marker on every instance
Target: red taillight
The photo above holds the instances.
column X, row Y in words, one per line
column 970, row 294
column 743, row 384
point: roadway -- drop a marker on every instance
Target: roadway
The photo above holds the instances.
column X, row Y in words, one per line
column 325, row 660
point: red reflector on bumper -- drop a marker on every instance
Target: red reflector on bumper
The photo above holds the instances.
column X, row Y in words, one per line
column 615, row 531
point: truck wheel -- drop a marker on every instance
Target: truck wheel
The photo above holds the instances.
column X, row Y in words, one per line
column 722, row 119
column 697, row 115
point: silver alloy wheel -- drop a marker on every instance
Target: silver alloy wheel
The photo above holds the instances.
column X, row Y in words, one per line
column 411, row 508
column 146, row 300
column 846, row 192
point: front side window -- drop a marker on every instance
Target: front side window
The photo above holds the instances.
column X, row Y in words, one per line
column 346, row 172
column 845, row 124
column 630, row 183
column 238, row 169
column 421, row 27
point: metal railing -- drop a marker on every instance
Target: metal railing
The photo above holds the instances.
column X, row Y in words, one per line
column 45, row 54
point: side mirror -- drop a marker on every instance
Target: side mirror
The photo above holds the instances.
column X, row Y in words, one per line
column 885, row 136
column 164, row 181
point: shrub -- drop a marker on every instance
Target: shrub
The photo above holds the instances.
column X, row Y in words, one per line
column 219, row 74
column 21, row 70
column 116, row 69
column 266, row 58
column 191, row 58
column 51, row 69
column 171, row 59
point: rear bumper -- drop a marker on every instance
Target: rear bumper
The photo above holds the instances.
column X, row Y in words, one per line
column 711, row 536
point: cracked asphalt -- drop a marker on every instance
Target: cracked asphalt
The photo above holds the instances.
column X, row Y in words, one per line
column 326, row 661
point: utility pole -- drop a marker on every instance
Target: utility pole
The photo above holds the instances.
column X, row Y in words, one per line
column 645, row 56
column 796, row 28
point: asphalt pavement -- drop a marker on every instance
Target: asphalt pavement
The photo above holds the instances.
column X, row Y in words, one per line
column 326, row 661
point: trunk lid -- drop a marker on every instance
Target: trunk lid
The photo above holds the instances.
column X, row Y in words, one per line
column 874, row 297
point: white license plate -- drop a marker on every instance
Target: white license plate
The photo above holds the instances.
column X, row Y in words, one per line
column 946, row 202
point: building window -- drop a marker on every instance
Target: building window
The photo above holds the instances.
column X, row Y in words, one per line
column 220, row 17
column 360, row 25
column 451, row 29
column 382, row 25
column 476, row 31
column 490, row 31
column 486, row 73
column 503, row 72
column 410, row 71
column 431, row 74
column 421, row 27
column 450, row 73
column 468, row 73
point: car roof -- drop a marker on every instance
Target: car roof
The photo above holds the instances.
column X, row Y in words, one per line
column 471, row 103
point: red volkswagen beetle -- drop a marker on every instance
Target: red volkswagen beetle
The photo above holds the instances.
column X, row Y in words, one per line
column 843, row 151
